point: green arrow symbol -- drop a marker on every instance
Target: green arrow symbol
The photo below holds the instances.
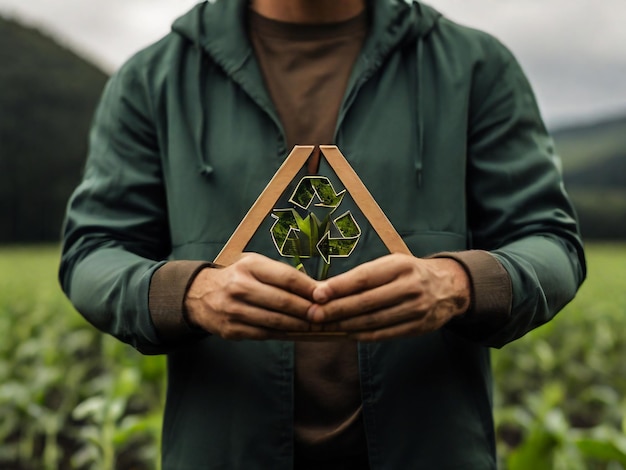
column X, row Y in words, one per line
column 340, row 247
column 326, row 193
column 320, row 186
column 309, row 237
column 285, row 231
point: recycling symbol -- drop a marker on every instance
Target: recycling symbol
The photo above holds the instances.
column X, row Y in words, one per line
column 305, row 237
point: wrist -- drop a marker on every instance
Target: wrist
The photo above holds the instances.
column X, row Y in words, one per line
column 456, row 282
column 490, row 287
column 197, row 288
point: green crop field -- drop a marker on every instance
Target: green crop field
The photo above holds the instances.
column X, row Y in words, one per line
column 561, row 390
column 71, row 398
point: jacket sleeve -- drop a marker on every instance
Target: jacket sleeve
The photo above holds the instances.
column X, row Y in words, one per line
column 116, row 231
column 518, row 209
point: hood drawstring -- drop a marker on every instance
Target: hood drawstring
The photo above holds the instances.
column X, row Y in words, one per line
column 200, row 131
column 418, row 162
column 192, row 26
column 200, row 126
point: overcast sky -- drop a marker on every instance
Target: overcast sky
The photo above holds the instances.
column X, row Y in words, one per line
column 574, row 51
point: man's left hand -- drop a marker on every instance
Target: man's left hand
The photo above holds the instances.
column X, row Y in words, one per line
column 393, row 296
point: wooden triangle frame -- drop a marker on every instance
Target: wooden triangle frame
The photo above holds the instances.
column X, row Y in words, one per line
column 279, row 183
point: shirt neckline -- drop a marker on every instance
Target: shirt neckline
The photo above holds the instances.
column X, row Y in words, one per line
column 306, row 32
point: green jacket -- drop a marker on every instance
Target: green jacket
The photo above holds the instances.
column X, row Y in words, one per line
column 442, row 127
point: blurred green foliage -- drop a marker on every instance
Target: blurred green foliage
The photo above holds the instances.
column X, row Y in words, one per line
column 71, row 398
column 561, row 390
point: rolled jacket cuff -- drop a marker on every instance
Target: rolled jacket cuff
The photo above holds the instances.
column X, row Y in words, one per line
column 491, row 290
column 166, row 301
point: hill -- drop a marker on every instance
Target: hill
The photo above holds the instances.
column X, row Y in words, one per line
column 594, row 170
column 47, row 98
column 590, row 143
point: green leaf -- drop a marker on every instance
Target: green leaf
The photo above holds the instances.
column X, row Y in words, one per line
column 604, row 451
column 536, row 453
column 605, row 444
column 92, row 407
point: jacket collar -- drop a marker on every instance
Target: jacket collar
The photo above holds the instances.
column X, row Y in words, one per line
column 219, row 27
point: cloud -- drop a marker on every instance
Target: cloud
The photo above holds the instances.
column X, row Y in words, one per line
column 574, row 51
column 107, row 34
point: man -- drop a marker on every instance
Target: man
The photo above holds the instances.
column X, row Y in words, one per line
column 441, row 126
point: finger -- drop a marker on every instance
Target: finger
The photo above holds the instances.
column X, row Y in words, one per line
column 268, row 298
column 281, row 275
column 382, row 297
column 243, row 285
column 394, row 315
column 399, row 324
column 364, row 277
column 258, row 317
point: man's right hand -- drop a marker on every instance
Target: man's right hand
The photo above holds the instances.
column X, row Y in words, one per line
column 254, row 298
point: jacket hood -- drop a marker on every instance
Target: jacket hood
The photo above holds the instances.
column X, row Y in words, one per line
column 219, row 29
column 218, row 26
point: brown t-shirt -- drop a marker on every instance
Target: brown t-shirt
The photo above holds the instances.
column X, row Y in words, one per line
column 306, row 70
